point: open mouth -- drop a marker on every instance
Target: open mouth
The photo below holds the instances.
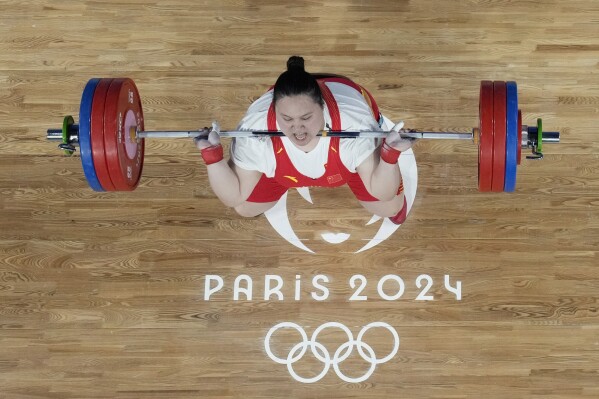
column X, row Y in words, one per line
column 301, row 136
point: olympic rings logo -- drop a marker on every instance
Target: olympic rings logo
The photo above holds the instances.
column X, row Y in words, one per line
column 321, row 353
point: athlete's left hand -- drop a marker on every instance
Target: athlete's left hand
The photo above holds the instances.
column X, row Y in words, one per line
column 394, row 139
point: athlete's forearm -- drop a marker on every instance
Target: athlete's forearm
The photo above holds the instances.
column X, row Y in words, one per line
column 385, row 181
column 225, row 183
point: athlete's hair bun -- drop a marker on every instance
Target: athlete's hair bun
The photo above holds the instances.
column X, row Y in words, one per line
column 295, row 81
column 295, row 63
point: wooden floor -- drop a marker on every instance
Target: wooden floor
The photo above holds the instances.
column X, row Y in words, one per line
column 102, row 295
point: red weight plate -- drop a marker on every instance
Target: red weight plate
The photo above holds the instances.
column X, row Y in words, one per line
column 97, row 134
column 124, row 155
column 519, row 155
column 499, row 135
column 485, row 148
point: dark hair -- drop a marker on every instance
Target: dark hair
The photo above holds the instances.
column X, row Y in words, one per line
column 296, row 81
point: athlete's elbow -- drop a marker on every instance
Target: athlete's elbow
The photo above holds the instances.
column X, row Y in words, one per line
column 231, row 202
column 229, row 199
column 247, row 212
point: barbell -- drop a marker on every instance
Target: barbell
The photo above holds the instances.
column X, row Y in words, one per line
column 111, row 135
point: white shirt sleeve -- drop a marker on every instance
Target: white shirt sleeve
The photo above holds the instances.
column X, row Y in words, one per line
column 355, row 115
column 256, row 116
column 255, row 153
column 354, row 151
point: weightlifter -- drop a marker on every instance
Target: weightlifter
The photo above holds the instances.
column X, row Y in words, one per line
column 261, row 170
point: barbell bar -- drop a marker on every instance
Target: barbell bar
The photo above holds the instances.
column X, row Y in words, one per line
column 111, row 135
column 56, row 134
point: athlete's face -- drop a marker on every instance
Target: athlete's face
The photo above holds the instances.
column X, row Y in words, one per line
column 300, row 119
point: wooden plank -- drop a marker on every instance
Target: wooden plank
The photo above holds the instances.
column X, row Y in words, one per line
column 102, row 294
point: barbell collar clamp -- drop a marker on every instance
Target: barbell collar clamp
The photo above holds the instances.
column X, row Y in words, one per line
column 56, row 134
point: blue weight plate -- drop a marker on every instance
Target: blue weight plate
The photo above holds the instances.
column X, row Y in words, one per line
column 511, row 147
column 85, row 143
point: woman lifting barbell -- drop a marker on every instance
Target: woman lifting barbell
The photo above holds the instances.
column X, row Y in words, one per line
column 261, row 170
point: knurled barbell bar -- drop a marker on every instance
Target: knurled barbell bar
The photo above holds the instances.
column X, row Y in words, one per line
column 111, row 135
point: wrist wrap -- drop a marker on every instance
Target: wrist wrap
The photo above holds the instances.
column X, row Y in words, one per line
column 388, row 153
column 212, row 154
